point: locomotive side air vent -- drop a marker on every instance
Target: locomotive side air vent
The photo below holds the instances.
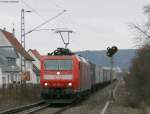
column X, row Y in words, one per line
column 61, row 52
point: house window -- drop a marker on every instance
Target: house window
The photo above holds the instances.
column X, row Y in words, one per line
column 11, row 61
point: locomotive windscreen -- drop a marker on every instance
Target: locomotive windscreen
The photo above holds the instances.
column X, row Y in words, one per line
column 58, row 65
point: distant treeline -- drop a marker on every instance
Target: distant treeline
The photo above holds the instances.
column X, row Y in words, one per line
column 122, row 58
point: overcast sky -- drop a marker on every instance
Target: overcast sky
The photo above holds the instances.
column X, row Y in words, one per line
column 97, row 24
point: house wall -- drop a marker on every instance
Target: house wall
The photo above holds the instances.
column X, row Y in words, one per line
column 18, row 61
column 28, row 63
column 29, row 67
column 36, row 62
column 11, row 77
column 33, row 77
column 4, row 76
column 3, row 43
column 7, row 78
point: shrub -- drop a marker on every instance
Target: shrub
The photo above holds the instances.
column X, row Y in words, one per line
column 138, row 81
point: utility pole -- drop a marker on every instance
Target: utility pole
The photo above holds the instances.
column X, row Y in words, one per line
column 111, row 77
column 23, row 63
column 22, row 38
column 66, row 43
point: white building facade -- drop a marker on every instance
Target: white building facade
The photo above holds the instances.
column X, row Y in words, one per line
column 36, row 63
column 11, row 52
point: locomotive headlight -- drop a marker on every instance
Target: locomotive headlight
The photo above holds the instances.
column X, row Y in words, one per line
column 46, row 84
column 69, row 84
column 58, row 73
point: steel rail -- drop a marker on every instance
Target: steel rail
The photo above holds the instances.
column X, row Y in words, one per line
column 33, row 109
column 22, row 108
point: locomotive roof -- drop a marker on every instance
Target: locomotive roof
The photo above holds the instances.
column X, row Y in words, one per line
column 65, row 57
column 56, row 57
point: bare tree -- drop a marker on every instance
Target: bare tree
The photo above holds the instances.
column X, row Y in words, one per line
column 138, row 82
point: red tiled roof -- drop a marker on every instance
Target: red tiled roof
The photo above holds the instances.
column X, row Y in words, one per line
column 36, row 53
column 15, row 43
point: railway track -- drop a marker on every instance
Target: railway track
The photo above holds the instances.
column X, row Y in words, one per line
column 67, row 107
column 58, row 109
column 38, row 108
column 83, row 99
column 28, row 109
column 54, row 110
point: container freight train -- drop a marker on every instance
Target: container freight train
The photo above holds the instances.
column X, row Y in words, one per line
column 66, row 76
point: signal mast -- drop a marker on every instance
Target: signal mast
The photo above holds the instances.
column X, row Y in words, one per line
column 110, row 53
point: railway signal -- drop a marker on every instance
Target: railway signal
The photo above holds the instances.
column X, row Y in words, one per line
column 111, row 51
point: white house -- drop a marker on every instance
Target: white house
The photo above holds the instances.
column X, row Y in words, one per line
column 9, row 72
column 36, row 56
column 36, row 63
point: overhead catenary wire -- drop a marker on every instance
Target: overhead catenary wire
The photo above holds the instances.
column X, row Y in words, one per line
column 73, row 24
column 37, row 13
column 59, row 7
column 50, row 29
column 68, row 19
column 33, row 10
column 9, row 1
column 47, row 21
column 56, row 5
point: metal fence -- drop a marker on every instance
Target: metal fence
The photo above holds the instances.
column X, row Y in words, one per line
column 18, row 94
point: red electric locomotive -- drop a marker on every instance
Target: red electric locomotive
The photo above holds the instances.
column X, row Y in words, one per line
column 64, row 76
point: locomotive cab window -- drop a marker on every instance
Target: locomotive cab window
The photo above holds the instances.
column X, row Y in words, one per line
column 58, row 65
